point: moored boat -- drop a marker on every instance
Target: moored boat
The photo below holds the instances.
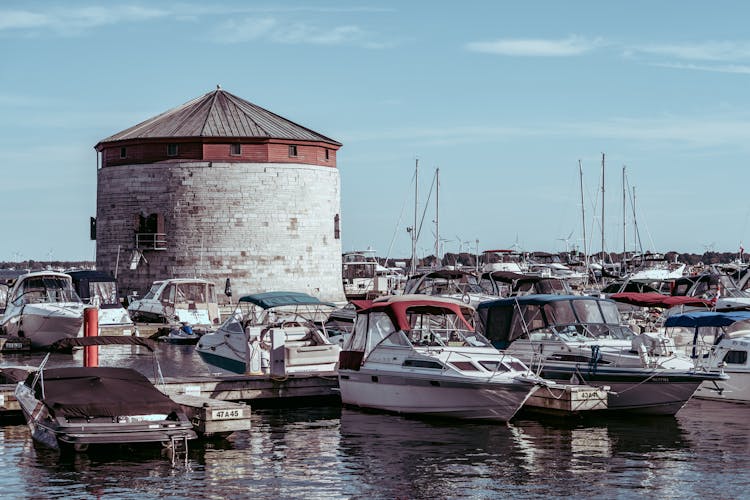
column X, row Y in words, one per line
column 581, row 339
column 420, row 355
column 720, row 342
column 74, row 408
column 273, row 332
column 43, row 307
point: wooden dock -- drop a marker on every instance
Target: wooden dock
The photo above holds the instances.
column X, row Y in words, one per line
column 567, row 399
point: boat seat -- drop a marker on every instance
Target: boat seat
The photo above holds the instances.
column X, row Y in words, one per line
column 311, row 355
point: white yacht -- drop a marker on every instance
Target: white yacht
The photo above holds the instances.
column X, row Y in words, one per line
column 43, row 307
column 177, row 300
column 719, row 341
column 276, row 333
column 581, row 339
column 420, row 355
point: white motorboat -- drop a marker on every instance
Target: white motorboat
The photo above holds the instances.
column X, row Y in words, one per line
column 74, row 408
column 279, row 333
column 99, row 289
column 581, row 339
column 43, row 307
column 176, row 300
column 363, row 277
column 450, row 283
column 719, row 341
column 420, row 355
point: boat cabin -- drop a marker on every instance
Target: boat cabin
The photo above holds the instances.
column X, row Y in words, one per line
column 550, row 317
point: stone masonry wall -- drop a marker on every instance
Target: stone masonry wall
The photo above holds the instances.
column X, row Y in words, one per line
column 268, row 227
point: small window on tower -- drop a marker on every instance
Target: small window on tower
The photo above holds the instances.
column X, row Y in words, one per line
column 337, row 227
column 235, row 149
column 172, row 149
column 123, row 152
column 293, row 151
column 328, row 156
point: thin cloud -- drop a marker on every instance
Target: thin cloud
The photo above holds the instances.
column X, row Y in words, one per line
column 535, row 47
column 692, row 132
column 296, row 33
column 707, row 51
column 727, row 68
column 73, row 21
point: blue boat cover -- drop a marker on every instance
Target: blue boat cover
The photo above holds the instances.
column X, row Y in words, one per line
column 707, row 318
column 268, row 300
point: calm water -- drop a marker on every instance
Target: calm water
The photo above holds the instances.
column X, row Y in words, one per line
column 704, row 452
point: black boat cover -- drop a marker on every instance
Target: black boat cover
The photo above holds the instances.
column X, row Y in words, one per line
column 100, row 392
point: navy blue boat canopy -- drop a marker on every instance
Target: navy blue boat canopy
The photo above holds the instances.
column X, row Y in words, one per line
column 268, row 300
column 707, row 318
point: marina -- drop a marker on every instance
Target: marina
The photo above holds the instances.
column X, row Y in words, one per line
column 387, row 259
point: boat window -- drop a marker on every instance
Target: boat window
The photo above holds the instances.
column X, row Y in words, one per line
column 610, row 312
column 234, row 324
column 736, row 358
column 102, row 292
column 152, row 292
column 530, row 319
column 422, row 363
column 358, row 339
column 588, row 311
column 169, row 295
column 494, row 366
column 559, row 313
column 380, row 326
column 466, row 366
column 191, row 292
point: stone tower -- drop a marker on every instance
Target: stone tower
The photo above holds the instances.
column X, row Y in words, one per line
column 220, row 188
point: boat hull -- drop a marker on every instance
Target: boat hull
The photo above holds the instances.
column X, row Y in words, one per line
column 647, row 392
column 45, row 324
column 433, row 396
column 735, row 390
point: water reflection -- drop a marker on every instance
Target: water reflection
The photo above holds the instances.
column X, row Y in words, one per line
column 331, row 452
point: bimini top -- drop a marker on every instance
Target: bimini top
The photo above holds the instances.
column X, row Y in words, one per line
column 707, row 318
column 100, row 392
column 399, row 306
column 268, row 300
column 533, row 300
column 655, row 299
column 90, row 275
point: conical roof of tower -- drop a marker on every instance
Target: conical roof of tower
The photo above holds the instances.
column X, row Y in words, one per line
column 219, row 114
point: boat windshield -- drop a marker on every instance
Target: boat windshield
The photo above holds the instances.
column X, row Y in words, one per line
column 448, row 286
column 573, row 320
column 446, row 330
column 102, row 293
column 152, row 292
column 47, row 289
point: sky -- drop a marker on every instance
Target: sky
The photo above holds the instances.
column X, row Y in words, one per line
column 516, row 103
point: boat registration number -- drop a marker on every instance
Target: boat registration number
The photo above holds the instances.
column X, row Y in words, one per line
column 226, row 414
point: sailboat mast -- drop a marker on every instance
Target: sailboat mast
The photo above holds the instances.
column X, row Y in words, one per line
column 603, row 259
column 583, row 218
column 437, row 216
column 624, row 219
column 414, row 228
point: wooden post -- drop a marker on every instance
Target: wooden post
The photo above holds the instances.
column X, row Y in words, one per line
column 91, row 329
